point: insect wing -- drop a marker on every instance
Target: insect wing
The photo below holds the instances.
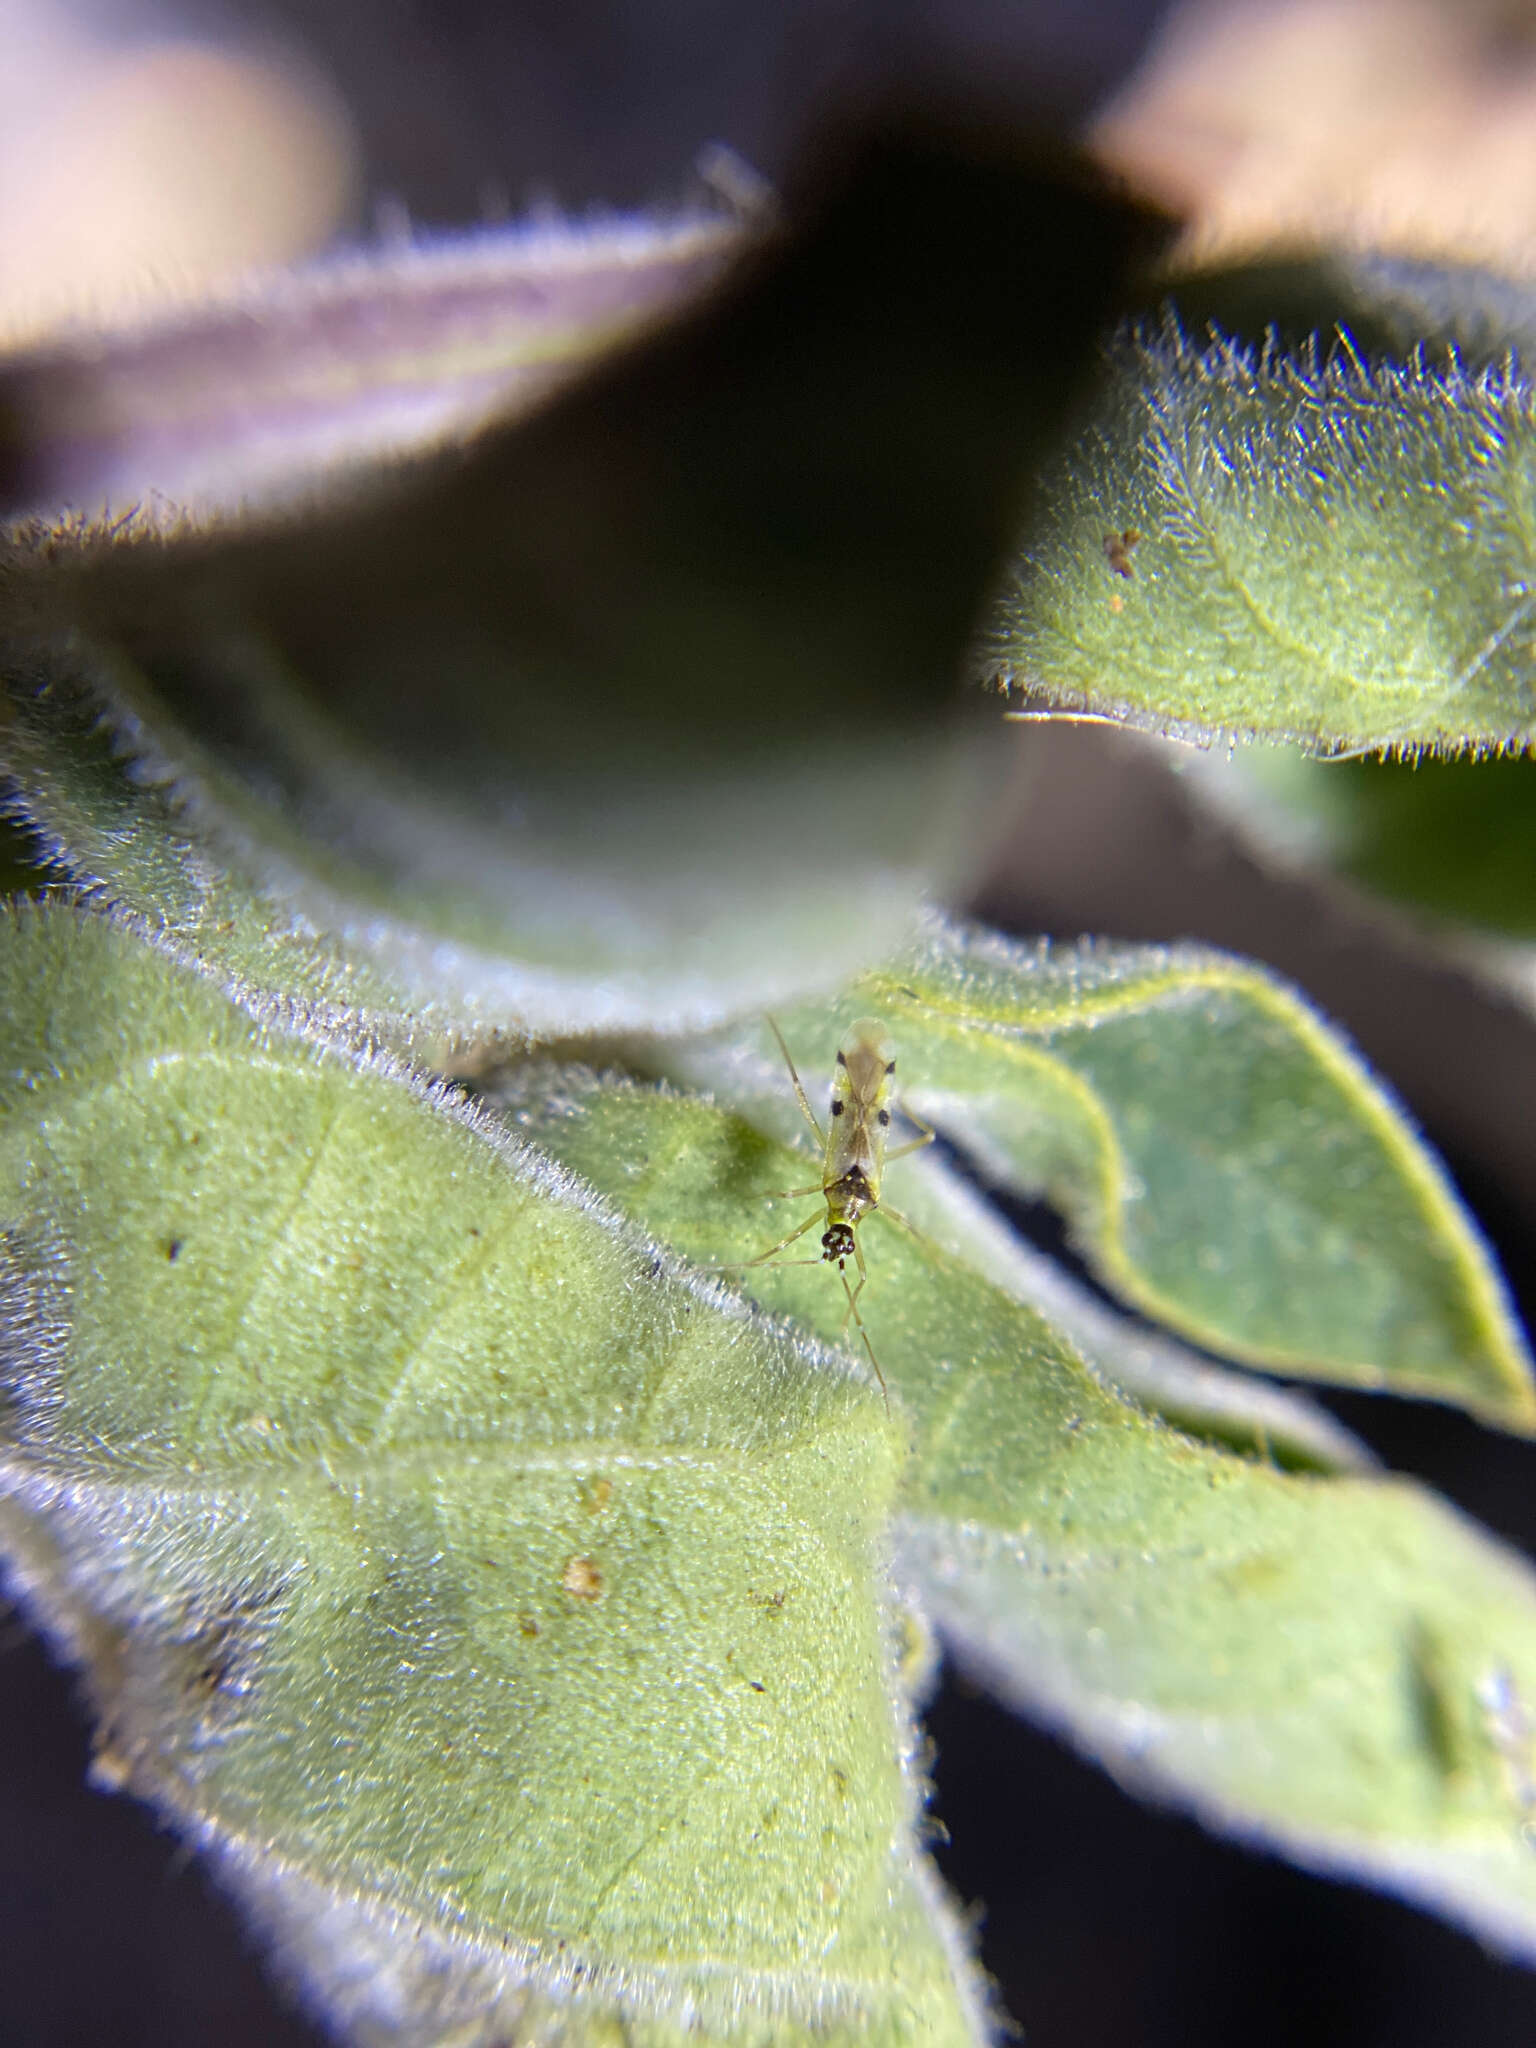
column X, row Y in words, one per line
column 861, row 1092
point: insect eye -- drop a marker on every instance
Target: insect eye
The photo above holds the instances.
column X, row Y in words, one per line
column 837, row 1107
column 885, row 1117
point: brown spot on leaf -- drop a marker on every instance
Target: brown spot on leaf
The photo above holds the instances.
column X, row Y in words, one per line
column 1117, row 550
column 582, row 1579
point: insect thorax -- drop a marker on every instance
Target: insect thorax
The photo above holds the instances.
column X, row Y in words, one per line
column 850, row 1197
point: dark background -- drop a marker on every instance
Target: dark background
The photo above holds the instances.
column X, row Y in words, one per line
column 1103, row 1923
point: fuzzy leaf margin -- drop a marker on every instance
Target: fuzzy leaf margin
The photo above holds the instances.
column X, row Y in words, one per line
column 414, row 741
column 269, row 392
column 1334, row 1664
column 1227, row 1165
column 348, row 1446
column 1307, row 546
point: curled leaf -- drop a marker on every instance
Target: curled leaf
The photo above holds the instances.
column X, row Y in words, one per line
column 1225, row 1162
column 531, row 736
column 269, row 394
column 1224, row 1159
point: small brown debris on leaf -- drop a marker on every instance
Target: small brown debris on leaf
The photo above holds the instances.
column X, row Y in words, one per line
column 1117, row 550
column 582, row 1579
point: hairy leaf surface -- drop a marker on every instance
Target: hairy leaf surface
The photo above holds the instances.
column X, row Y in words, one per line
column 1290, row 546
column 503, row 1607
column 1337, row 1665
column 1225, row 1162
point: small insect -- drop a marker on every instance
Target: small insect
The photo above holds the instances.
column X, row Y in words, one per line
column 854, row 1158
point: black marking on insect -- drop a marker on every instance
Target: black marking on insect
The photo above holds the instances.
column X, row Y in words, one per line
column 854, row 1158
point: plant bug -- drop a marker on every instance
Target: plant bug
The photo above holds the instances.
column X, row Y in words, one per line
column 854, row 1158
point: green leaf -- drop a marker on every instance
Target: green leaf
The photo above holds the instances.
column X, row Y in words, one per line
column 1340, row 1665
column 1391, row 306
column 566, row 729
column 1454, row 838
column 1289, row 546
column 120, row 835
column 1342, row 1669
column 1235, row 1410
column 1225, row 1163
column 667, row 1175
column 463, row 1574
column 488, row 1498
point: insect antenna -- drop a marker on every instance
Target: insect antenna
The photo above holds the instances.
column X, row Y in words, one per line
column 853, row 1294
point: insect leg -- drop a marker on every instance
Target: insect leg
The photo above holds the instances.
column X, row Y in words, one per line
column 800, row 1095
column 913, row 1144
column 895, row 1216
column 853, row 1294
